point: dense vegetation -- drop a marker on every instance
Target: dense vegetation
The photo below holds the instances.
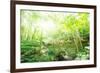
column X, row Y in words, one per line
column 54, row 36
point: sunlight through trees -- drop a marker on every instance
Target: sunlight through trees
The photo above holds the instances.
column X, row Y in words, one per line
column 54, row 36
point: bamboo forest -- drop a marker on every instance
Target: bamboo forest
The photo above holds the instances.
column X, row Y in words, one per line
column 54, row 36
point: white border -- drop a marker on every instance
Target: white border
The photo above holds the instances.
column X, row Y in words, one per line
column 52, row 64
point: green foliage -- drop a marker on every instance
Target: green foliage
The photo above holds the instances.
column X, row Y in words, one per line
column 54, row 36
column 83, row 54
